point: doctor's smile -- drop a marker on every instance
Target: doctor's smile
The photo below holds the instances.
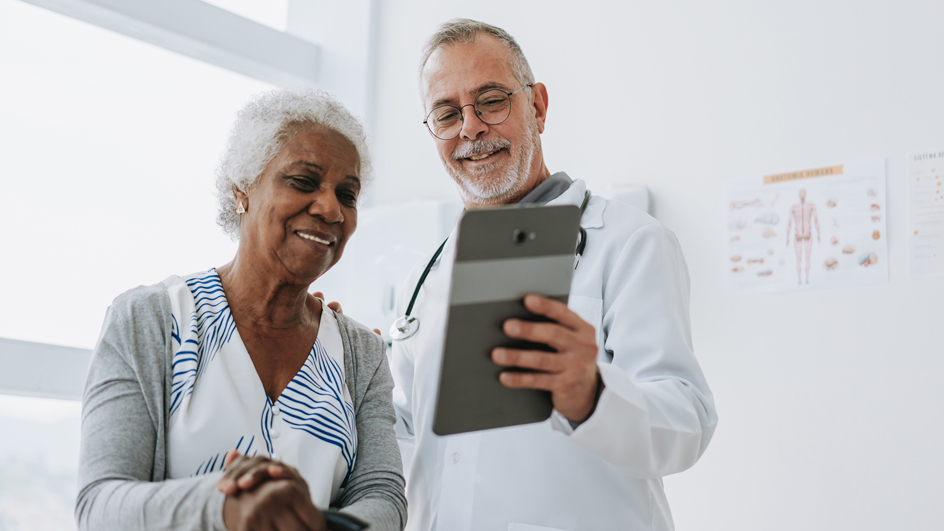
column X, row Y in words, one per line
column 482, row 156
column 480, row 149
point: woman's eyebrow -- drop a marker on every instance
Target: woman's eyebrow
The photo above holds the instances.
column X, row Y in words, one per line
column 306, row 163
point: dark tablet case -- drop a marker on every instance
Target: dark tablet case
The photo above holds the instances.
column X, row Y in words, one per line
column 492, row 273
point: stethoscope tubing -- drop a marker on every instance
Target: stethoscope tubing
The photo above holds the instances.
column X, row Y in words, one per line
column 429, row 267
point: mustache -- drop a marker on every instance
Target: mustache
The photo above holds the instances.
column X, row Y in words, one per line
column 476, row 147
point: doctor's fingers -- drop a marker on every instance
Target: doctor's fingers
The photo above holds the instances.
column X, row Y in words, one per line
column 334, row 305
column 557, row 311
column 529, row 380
column 558, row 337
column 529, row 359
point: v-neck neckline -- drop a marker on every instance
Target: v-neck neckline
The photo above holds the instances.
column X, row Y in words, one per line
column 245, row 351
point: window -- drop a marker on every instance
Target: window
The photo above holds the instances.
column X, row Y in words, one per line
column 39, row 453
column 109, row 149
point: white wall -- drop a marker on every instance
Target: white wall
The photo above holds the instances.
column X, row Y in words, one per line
column 831, row 409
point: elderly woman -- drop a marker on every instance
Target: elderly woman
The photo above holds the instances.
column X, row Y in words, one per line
column 239, row 367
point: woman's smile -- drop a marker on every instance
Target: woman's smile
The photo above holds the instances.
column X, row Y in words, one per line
column 318, row 238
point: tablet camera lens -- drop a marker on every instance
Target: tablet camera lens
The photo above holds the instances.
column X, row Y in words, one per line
column 519, row 236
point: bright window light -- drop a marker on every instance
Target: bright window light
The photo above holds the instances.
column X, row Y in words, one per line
column 39, row 456
column 108, row 151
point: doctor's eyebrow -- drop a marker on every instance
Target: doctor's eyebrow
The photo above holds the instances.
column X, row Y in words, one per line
column 474, row 92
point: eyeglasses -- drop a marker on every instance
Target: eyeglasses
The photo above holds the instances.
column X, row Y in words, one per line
column 492, row 107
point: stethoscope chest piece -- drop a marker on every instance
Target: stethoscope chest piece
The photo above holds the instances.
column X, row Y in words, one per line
column 404, row 328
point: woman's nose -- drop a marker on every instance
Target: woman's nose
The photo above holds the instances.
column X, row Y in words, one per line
column 327, row 207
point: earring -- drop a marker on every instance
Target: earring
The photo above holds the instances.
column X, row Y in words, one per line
column 240, row 209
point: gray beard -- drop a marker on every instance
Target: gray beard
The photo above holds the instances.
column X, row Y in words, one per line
column 477, row 188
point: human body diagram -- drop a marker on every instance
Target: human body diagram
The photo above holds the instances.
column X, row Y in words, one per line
column 803, row 217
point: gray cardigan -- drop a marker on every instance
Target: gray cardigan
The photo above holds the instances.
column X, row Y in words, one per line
column 122, row 463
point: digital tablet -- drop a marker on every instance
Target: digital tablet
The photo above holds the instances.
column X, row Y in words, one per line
column 502, row 254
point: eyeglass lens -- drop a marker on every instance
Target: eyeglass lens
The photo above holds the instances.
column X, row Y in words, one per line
column 492, row 107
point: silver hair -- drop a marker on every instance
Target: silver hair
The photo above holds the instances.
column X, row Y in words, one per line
column 463, row 31
column 262, row 129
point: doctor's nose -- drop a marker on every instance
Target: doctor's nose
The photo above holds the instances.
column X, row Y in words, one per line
column 472, row 126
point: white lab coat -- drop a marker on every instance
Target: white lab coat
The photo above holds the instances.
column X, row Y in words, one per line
column 654, row 417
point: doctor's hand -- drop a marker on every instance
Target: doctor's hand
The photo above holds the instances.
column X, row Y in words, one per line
column 570, row 374
column 336, row 306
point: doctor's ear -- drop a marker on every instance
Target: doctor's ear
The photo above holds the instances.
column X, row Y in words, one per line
column 539, row 102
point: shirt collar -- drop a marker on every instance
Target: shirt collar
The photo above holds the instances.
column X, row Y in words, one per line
column 549, row 189
column 593, row 216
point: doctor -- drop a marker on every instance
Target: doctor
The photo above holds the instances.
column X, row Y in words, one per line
column 631, row 403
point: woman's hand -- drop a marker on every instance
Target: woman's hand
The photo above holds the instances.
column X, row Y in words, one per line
column 264, row 495
column 276, row 505
column 244, row 473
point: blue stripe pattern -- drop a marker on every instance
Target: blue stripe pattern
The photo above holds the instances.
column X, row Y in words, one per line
column 210, row 327
column 217, row 461
column 314, row 402
column 266, row 425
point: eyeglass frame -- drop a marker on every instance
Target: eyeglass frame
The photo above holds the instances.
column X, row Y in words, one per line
column 476, row 111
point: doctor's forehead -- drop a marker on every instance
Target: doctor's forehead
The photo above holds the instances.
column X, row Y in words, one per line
column 460, row 70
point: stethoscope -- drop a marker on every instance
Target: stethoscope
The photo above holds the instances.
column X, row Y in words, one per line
column 406, row 326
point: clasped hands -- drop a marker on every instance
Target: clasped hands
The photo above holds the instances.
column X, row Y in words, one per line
column 266, row 495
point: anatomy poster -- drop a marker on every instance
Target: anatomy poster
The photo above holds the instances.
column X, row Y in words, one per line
column 813, row 228
column 926, row 214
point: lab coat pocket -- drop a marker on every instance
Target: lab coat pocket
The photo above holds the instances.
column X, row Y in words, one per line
column 590, row 309
column 529, row 527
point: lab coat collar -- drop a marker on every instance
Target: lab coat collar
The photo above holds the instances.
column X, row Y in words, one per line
column 593, row 216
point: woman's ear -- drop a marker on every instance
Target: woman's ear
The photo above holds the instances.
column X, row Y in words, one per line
column 242, row 200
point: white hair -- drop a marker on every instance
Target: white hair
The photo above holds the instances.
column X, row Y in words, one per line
column 262, row 129
column 463, row 31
